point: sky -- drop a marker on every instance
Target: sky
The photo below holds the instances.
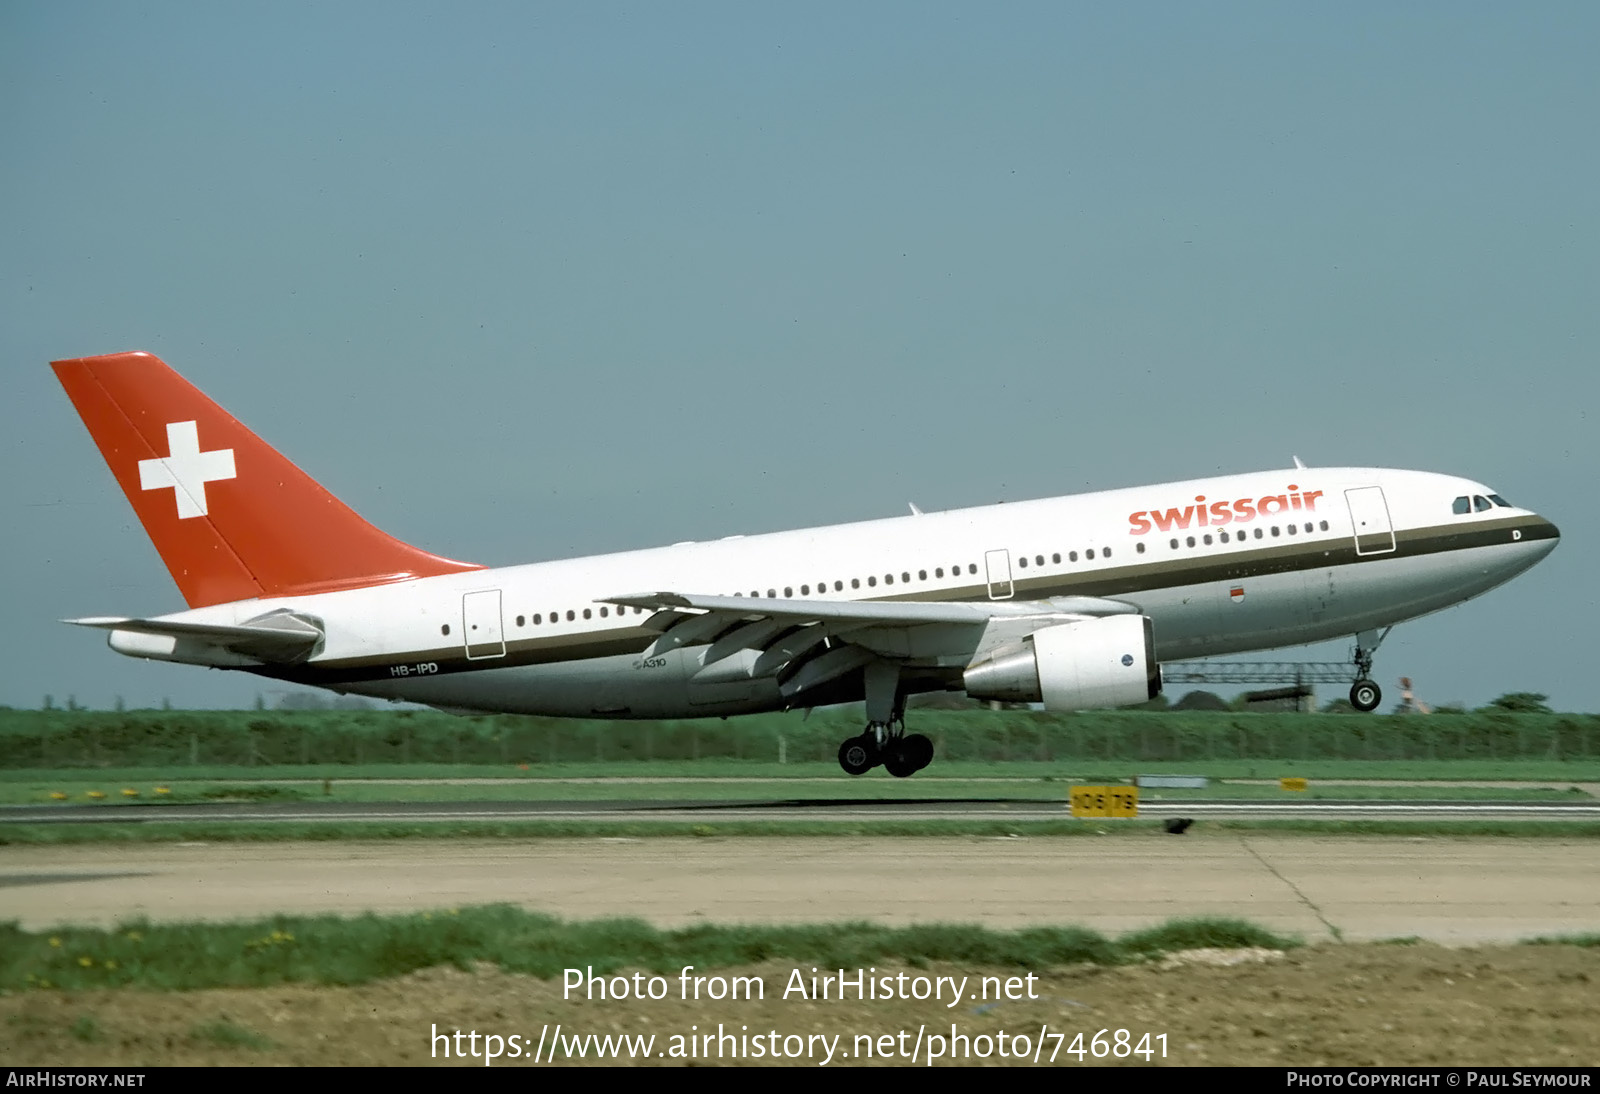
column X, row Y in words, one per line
column 526, row 281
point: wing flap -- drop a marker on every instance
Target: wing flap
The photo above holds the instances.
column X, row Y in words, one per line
column 868, row 612
column 809, row 643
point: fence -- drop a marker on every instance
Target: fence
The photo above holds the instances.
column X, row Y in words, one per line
column 59, row 739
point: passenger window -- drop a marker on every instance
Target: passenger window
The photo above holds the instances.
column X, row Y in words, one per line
column 1324, row 526
column 1139, row 547
column 1223, row 536
column 1090, row 552
column 1056, row 558
column 1461, row 505
column 1207, row 539
column 1105, row 552
column 1293, row 528
column 922, row 575
column 872, row 581
column 939, row 572
column 855, row 583
column 1258, row 533
column 838, row 586
column 1481, row 504
column 587, row 613
column 445, row 629
column 570, row 615
column 537, row 619
column 772, row 594
column 1022, row 561
column 1190, row 541
column 1174, row 546
column 1275, row 530
column 1074, row 555
column 788, row 591
column 972, row 567
column 520, row 620
column 805, row 590
column 888, row 579
column 1309, row 527
column 604, row 612
column 1038, row 560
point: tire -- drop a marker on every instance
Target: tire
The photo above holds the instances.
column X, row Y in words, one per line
column 1365, row 696
column 898, row 761
column 857, row 756
column 919, row 750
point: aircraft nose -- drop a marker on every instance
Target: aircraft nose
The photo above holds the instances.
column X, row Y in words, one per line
column 1539, row 529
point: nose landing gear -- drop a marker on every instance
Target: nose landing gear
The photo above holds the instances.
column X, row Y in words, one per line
column 1365, row 694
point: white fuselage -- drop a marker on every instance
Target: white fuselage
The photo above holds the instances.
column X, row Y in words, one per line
column 1222, row 565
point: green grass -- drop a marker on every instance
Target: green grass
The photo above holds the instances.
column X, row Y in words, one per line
column 1272, row 793
column 1586, row 940
column 1085, row 740
column 334, row 950
column 877, row 786
column 112, row 778
column 224, row 1034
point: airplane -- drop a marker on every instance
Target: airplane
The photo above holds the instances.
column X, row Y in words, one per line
column 1070, row 602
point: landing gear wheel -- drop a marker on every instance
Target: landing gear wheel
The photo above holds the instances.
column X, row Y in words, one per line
column 919, row 750
column 898, row 761
column 858, row 755
column 1365, row 695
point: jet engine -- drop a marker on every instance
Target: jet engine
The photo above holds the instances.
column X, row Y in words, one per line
column 1107, row 662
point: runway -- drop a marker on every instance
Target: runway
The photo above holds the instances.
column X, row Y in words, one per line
column 1446, row 889
column 853, row 810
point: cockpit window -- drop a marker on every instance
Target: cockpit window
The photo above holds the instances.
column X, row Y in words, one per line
column 1461, row 505
column 1481, row 504
column 1502, row 502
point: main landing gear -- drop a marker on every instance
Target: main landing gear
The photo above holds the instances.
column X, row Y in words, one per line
column 1365, row 694
column 888, row 744
column 885, row 740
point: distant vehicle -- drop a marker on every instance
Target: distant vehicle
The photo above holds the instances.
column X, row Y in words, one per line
column 1071, row 602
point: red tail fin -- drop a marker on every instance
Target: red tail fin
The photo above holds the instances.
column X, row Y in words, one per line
column 230, row 516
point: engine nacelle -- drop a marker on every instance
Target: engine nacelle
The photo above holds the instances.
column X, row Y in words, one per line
column 1108, row 662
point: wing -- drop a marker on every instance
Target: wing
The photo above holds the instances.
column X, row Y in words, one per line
column 806, row 644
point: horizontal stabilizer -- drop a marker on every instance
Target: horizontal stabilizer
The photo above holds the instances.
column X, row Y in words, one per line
column 279, row 637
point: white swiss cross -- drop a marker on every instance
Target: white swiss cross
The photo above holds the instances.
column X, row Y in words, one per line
column 187, row 470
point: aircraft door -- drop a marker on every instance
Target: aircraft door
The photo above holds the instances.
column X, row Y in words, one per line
column 1369, row 519
column 998, row 565
column 482, row 631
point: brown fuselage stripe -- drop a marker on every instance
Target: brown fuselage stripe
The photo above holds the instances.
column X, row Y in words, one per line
column 1221, row 562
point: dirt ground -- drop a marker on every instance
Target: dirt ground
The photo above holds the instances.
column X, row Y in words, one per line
column 1332, row 1004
